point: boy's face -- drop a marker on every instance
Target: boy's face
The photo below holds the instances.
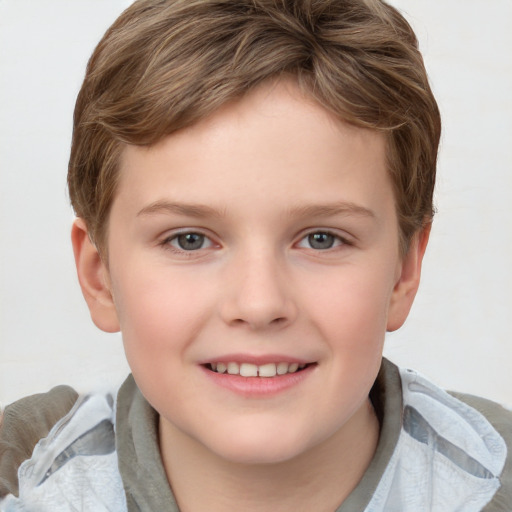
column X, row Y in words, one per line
column 266, row 234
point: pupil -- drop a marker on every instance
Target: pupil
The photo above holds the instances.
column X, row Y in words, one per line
column 190, row 241
column 321, row 240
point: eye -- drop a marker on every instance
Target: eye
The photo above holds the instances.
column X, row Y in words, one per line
column 321, row 241
column 189, row 241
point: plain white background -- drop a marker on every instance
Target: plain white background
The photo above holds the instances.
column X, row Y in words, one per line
column 458, row 333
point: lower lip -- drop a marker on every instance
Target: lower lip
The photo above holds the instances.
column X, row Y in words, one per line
column 259, row 386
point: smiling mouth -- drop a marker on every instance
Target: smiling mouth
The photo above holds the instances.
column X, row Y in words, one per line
column 253, row 370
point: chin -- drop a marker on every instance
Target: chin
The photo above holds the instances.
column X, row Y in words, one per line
column 260, row 449
column 253, row 457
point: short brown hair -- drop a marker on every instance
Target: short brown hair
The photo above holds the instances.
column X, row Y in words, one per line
column 165, row 64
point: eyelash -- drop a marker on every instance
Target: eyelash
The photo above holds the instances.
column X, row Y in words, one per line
column 337, row 239
column 167, row 243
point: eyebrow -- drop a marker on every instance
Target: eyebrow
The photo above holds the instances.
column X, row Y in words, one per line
column 185, row 209
column 203, row 211
column 330, row 210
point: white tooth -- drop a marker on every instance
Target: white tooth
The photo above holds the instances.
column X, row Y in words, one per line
column 282, row 368
column 267, row 370
column 213, row 366
column 221, row 368
column 293, row 368
column 233, row 369
column 248, row 370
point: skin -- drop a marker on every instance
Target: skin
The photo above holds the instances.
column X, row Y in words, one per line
column 257, row 180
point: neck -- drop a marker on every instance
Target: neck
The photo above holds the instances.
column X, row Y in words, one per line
column 319, row 479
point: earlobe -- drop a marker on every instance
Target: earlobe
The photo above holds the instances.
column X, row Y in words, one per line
column 93, row 278
column 408, row 281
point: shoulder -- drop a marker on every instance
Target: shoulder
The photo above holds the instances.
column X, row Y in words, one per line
column 499, row 416
column 23, row 424
column 501, row 419
column 461, row 442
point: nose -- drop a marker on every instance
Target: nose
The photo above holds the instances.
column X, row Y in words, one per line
column 258, row 294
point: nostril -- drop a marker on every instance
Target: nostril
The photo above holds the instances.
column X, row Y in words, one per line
column 275, row 322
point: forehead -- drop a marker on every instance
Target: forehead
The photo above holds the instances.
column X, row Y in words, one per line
column 276, row 145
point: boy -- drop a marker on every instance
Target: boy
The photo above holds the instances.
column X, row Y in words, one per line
column 253, row 184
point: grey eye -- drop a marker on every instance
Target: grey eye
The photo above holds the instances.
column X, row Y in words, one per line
column 190, row 241
column 321, row 240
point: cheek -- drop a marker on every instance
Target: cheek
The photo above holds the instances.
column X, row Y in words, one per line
column 353, row 309
column 158, row 314
column 157, row 324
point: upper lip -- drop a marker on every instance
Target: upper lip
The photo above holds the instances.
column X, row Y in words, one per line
column 257, row 360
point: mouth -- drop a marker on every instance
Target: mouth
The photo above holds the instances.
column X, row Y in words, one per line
column 252, row 370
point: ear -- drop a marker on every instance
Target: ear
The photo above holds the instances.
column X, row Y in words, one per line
column 408, row 280
column 94, row 279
